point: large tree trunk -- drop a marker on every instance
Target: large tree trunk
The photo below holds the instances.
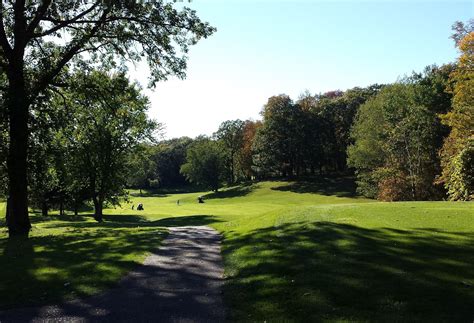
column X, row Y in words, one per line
column 17, row 104
column 44, row 208
column 98, row 205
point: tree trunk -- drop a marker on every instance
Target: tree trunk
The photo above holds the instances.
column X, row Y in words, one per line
column 44, row 208
column 17, row 105
column 232, row 169
column 98, row 205
column 7, row 211
column 61, row 207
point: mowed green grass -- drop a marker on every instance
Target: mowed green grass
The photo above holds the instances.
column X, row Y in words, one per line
column 70, row 257
column 308, row 251
column 313, row 252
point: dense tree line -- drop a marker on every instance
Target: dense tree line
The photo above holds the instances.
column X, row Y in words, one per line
column 410, row 140
column 294, row 139
column 206, row 163
column 307, row 136
column 397, row 136
column 159, row 165
column 414, row 140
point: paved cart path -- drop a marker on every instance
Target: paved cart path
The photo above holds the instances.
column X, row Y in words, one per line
column 180, row 282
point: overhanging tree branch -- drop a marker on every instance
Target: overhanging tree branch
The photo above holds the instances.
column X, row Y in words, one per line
column 7, row 50
column 68, row 55
column 36, row 20
column 64, row 23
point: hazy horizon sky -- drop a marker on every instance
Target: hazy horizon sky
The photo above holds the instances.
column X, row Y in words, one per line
column 264, row 48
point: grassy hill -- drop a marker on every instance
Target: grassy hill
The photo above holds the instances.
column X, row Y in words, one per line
column 293, row 251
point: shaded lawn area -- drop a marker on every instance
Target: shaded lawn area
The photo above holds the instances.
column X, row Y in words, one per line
column 327, row 271
column 71, row 257
column 335, row 186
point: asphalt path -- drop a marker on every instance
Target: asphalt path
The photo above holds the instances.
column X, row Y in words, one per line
column 179, row 282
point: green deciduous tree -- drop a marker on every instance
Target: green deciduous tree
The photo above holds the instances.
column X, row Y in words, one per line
column 110, row 121
column 367, row 153
column 205, row 164
column 394, row 136
column 169, row 157
column 158, row 165
column 460, row 119
column 246, row 154
column 461, row 180
column 142, row 167
column 230, row 135
column 38, row 39
column 280, row 141
column 48, row 174
column 314, row 132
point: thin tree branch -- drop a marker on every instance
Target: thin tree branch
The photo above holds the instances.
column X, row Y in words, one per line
column 63, row 23
column 68, row 55
column 7, row 49
column 38, row 16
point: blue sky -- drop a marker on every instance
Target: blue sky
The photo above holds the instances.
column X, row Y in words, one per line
column 264, row 48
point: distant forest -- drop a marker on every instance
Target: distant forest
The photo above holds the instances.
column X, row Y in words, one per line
column 410, row 140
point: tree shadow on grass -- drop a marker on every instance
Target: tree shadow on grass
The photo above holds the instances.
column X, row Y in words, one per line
column 82, row 208
column 77, row 262
column 338, row 186
column 235, row 191
column 137, row 221
column 38, row 218
column 166, row 191
column 147, row 193
column 124, row 218
column 84, row 258
column 182, row 284
column 189, row 220
column 329, row 271
column 120, row 218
